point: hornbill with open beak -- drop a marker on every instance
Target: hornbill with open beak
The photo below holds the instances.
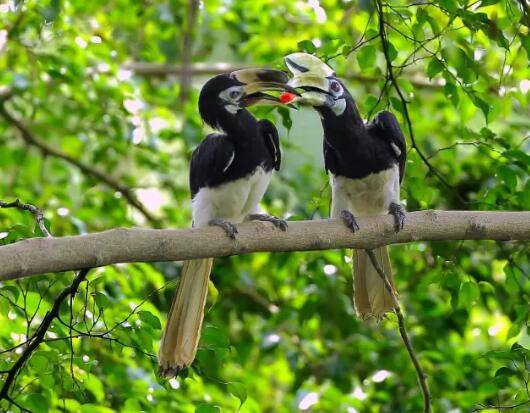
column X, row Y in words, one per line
column 366, row 162
column 229, row 174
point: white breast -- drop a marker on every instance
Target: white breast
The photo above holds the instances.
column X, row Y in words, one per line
column 231, row 201
column 370, row 195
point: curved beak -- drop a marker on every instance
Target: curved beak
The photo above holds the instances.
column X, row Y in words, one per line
column 312, row 90
column 310, row 79
column 258, row 81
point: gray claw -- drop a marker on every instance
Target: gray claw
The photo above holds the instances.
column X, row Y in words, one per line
column 229, row 228
column 349, row 220
column 399, row 214
column 278, row 223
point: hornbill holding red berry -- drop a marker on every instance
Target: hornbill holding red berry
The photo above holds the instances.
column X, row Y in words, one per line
column 366, row 162
column 229, row 173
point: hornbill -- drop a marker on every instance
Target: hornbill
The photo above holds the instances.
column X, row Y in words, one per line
column 229, row 173
column 365, row 161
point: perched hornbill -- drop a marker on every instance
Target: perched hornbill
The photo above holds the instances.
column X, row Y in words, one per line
column 366, row 162
column 229, row 174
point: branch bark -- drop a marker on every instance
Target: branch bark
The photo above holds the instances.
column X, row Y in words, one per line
column 148, row 69
column 44, row 255
column 187, row 49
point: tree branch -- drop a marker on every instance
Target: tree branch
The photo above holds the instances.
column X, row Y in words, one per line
column 187, row 49
column 39, row 216
column 31, row 140
column 148, row 69
column 120, row 245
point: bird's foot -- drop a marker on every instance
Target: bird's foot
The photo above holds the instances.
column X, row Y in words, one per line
column 278, row 223
column 349, row 220
column 399, row 214
column 229, row 228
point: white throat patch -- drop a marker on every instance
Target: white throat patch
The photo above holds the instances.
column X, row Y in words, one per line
column 339, row 107
column 233, row 109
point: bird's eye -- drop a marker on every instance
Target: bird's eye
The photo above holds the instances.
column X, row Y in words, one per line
column 234, row 94
column 335, row 86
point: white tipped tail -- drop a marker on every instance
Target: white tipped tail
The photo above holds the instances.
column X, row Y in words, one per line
column 370, row 296
column 183, row 327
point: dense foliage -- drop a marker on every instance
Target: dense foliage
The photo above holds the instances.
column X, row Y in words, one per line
column 93, row 142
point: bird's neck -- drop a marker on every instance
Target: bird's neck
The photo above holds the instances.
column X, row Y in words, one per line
column 241, row 126
column 346, row 130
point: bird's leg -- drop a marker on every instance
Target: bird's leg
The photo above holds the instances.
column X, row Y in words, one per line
column 398, row 212
column 229, row 228
column 349, row 220
column 278, row 223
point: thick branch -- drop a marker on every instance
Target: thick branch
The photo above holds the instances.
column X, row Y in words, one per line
column 44, row 255
column 187, row 49
column 31, row 140
column 148, row 69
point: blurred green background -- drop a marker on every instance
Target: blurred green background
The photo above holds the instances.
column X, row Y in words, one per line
column 98, row 120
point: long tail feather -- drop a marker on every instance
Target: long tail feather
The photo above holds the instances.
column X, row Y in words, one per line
column 371, row 298
column 182, row 332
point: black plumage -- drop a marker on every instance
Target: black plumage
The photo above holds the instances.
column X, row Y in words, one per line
column 354, row 149
column 245, row 143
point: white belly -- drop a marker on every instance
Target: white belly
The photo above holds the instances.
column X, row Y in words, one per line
column 371, row 195
column 232, row 201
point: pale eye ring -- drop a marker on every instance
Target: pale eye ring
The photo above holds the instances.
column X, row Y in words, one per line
column 335, row 86
column 234, row 94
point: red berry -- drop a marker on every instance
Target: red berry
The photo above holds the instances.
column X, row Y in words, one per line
column 287, row 97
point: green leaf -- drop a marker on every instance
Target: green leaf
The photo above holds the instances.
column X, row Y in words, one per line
column 214, row 337
column 506, row 372
column 397, row 104
column 451, row 91
column 484, row 106
column 101, row 299
column 484, row 3
column 486, row 287
column 287, row 122
column 392, row 52
column 39, row 363
column 94, row 385
column 37, row 403
column 150, row 319
column 508, row 176
column 238, row 390
column 435, row 66
column 307, row 46
column 207, row 408
column 468, row 294
column 10, row 291
column 366, row 57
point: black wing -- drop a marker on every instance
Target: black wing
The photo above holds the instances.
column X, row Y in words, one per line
column 391, row 132
column 209, row 161
column 272, row 140
column 330, row 158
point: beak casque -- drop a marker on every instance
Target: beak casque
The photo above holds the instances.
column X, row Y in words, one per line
column 298, row 63
column 257, row 81
column 310, row 79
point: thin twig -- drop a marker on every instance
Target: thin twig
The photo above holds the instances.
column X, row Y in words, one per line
column 38, row 337
column 31, row 140
column 422, row 377
column 404, row 103
column 39, row 216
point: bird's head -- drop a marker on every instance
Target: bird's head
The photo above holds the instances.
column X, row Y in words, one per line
column 316, row 85
column 227, row 94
